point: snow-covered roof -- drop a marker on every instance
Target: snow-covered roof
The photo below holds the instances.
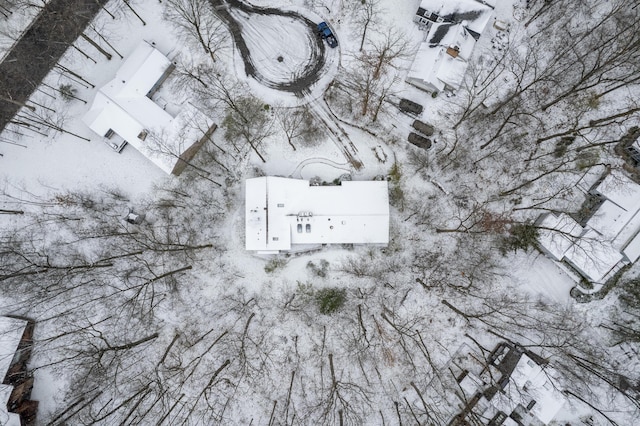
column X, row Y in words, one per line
column 557, row 234
column 7, row 418
column 632, row 251
column 609, row 219
column 11, row 331
column 610, row 236
column 621, row 190
column 592, row 257
column 473, row 13
column 122, row 105
column 442, row 59
column 533, row 382
column 281, row 213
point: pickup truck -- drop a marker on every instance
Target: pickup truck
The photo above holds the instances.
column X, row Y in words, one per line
column 325, row 32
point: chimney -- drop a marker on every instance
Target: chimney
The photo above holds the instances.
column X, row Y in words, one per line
column 453, row 51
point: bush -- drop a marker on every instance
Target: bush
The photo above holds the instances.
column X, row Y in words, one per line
column 321, row 270
column 329, row 300
column 562, row 146
column 396, row 193
column 630, row 293
column 587, row 159
column 522, row 236
column 67, row 91
column 274, row 264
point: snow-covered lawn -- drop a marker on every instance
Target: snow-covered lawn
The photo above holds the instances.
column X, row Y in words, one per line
column 394, row 329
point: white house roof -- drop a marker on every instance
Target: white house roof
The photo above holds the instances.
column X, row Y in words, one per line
column 610, row 236
column 433, row 67
column 557, row 234
column 632, row 251
column 533, row 382
column 592, row 257
column 618, row 219
column 621, row 190
column 122, row 105
column 475, row 14
column 283, row 212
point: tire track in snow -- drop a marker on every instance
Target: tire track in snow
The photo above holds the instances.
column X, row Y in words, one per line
column 229, row 11
column 340, row 137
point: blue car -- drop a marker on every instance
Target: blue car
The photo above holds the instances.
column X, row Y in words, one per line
column 325, row 32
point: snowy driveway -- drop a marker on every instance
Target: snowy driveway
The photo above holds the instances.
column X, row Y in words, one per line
column 279, row 49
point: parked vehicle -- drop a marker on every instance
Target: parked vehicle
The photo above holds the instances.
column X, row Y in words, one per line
column 419, row 141
column 410, row 107
column 424, row 128
column 325, row 32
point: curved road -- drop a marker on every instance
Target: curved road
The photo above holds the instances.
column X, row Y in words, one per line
column 301, row 82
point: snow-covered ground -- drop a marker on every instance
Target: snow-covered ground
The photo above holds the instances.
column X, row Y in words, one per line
column 50, row 165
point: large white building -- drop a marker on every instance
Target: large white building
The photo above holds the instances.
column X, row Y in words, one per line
column 284, row 214
column 132, row 109
column 609, row 240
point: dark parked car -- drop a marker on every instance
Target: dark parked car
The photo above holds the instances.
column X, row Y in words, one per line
column 410, row 107
column 424, row 128
column 419, row 141
column 326, row 33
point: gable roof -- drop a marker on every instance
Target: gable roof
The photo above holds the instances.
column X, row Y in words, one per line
column 557, row 233
column 475, row 14
column 281, row 213
column 610, row 238
column 435, row 67
column 123, row 105
column 531, row 382
column 11, row 331
column 618, row 219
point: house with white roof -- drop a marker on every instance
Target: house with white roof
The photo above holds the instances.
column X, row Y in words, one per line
column 442, row 59
column 475, row 14
column 131, row 109
column 609, row 240
column 284, row 214
column 15, row 383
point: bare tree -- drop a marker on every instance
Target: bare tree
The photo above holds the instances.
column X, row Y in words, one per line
column 250, row 121
column 298, row 124
column 387, row 51
column 367, row 13
column 196, row 20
